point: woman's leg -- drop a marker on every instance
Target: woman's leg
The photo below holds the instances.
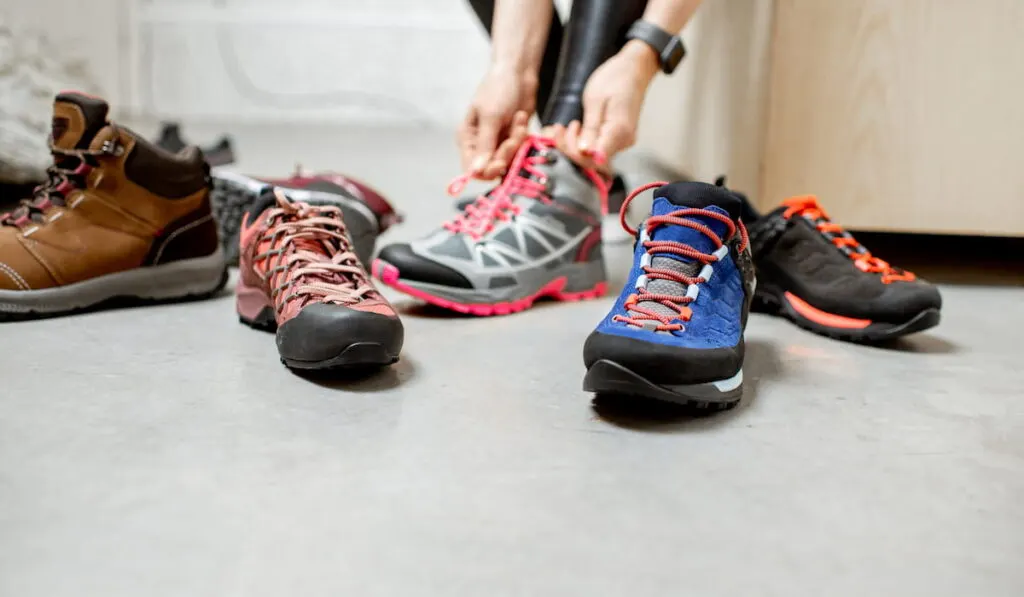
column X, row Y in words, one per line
column 595, row 31
column 484, row 10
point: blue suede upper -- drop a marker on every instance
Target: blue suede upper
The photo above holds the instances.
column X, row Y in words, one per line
column 717, row 312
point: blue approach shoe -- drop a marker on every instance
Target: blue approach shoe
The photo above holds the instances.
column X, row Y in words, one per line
column 676, row 331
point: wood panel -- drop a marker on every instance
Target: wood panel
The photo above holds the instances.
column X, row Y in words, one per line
column 707, row 119
column 902, row 115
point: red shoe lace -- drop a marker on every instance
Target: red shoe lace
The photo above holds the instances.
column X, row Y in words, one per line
column 310, row 256
column 677, row 303
column 478, row 218
column 61, row 180
column 808, row 207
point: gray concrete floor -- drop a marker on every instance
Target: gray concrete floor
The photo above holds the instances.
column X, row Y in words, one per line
column 165, row 451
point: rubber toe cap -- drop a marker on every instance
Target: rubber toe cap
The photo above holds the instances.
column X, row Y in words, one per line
column 662, row 363
column 412, row 266
column 322, row 332
column 902, row 301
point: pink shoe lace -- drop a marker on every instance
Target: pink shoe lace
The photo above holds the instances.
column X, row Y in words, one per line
column 310, row 256
column 523, row 179
column 61, row 180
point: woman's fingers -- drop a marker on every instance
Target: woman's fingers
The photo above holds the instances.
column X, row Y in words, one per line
column 572, row 141
column 466, row 138
column 569, row 144
column 593, row 117
column 618, row 131
column 486, row 141
column 555, row 132
column 517, row 132
column 506, row 151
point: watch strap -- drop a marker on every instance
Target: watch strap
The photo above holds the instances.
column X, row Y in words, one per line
column 669, row 47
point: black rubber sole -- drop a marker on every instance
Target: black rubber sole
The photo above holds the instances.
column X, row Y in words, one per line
column 358, row 356
column 117, row 302
column 229, row 200
column 265, row 321
column 609, row 377
column 773, row 303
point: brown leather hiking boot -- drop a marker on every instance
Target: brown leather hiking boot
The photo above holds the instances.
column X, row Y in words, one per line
column 118, row 218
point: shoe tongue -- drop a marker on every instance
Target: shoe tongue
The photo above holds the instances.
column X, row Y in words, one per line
column 76, row 119
column 268, row 199
column 523, row 172
column 700, row 195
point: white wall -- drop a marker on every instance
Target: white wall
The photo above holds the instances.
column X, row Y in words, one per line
column 401, row 61
column 43, row 49
column 84, row 35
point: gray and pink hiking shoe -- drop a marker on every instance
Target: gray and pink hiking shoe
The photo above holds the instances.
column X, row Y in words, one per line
column 537, row 234
column 301, row 278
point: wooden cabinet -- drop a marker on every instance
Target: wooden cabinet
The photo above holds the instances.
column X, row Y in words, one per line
column 904, row 115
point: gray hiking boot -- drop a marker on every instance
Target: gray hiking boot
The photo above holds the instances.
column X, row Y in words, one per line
column 537, row 234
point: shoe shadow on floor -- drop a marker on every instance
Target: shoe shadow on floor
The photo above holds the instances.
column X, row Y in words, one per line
column 363, row 380
column 761, row 363
column 919, row 344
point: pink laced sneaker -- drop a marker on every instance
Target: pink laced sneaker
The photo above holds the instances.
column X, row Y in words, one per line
column 300, row 276
column 537, row 234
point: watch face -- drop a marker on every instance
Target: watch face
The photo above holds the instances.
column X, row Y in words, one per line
column 672, row 55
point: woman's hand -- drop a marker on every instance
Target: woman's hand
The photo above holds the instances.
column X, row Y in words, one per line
column 612, row 100
column 498, row 114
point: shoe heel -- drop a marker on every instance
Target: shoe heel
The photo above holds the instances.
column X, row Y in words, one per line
column 583, row 281
column 229, row 198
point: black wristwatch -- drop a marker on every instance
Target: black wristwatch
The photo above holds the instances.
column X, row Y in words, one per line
column 669, row 47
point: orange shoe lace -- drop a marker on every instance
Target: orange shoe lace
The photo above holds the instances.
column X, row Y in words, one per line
column 808, row 207
column 677, row 303
column 310, row 257
column 523, row 179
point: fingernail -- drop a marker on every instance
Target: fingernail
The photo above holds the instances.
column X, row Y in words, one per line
column 479, row 163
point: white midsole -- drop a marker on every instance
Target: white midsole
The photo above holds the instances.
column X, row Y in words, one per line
column 722, row 385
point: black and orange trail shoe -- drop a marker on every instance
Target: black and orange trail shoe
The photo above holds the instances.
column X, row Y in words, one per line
column 813, row 272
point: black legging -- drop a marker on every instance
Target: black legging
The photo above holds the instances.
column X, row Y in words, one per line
column 596, row 30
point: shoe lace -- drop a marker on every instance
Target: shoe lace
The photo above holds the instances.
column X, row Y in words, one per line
column 310, row 256
column 678, row 304
column 67, row 173
column 809, row 208
column 523, row 178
